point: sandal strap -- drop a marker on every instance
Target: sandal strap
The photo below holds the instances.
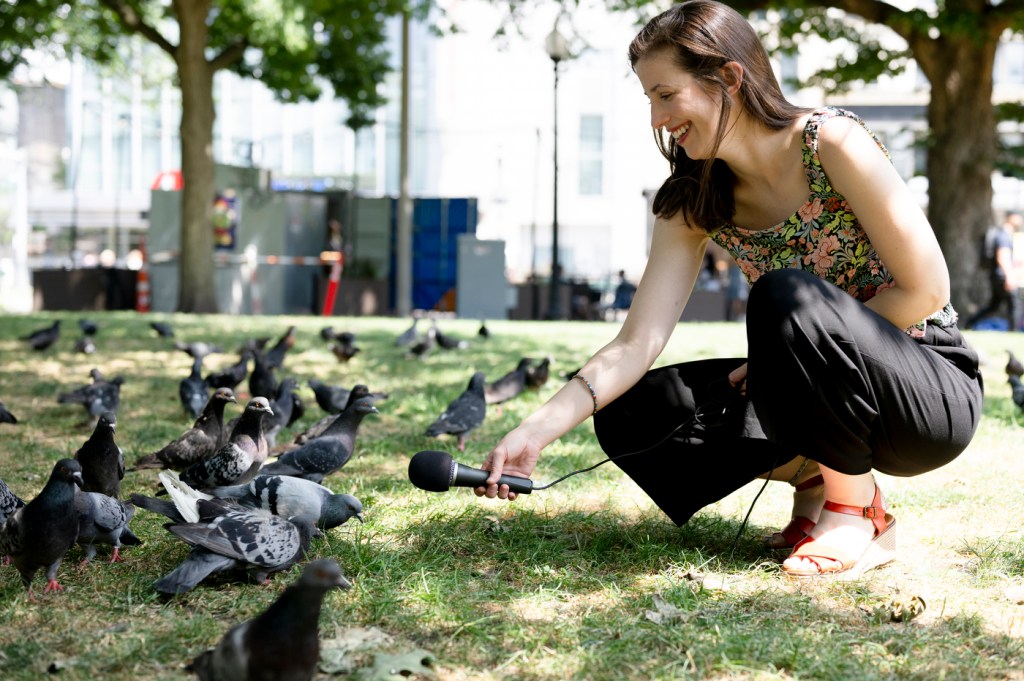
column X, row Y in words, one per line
column 809, row 483
column 875, row 512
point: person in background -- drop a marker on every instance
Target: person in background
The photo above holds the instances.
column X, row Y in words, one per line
column 998, row 260
column 854, row 362
column 624, row 291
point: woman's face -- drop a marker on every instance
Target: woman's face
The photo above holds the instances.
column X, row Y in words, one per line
column 679, row 104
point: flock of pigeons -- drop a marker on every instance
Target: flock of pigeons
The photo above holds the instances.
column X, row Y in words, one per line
column 222, row 493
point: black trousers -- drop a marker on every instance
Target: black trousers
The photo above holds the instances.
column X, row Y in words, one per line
column 828, row 379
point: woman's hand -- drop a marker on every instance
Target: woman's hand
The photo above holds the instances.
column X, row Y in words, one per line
column 738, row 378
column 516, row 454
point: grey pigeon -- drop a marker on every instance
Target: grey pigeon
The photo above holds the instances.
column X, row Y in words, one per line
column 449, row 342
column 537, row 376
column 163, row 330
column 282, row 405
column 228, row 537
column 317, row 429
column 206, row 436
column 85, row 345
column 1016, row 390
column 198, row 349
column 88, row 327
column 262, row 381
column 6, row 416
column 231, row 376
column 192, row 390
column 40, row 533
column 464, row 414
column 330, row 398
column 238, row 460
column 329, row 452
column 275, row 355
column 408, row 336
column 425, row 345
column 98, row 397
column 289, row 496
column 43, row 338
column 9, row 502
column 508, row 386
column 1014, row 367
column 101, row 459
column 283, row 642
column 103, row 519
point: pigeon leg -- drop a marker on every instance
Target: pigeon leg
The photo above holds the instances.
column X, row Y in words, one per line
column 52, row 585
column 116, row 558
column 462, row 442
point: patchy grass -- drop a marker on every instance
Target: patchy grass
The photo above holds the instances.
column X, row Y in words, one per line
column 584, row 581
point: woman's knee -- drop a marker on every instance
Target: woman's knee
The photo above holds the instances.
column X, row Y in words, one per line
column 782, row 295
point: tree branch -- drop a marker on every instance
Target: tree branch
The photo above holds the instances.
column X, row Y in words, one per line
column 1007, row 9
column 877, row 12
column 230, row 54
column 133, row 22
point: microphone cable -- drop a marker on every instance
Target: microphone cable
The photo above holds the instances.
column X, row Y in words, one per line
column 710, row 414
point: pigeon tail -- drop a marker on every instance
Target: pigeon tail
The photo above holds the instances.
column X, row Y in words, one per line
column 199, row 565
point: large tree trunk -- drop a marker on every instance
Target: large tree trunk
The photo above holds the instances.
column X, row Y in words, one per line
column 961, row 155
column 196, row 291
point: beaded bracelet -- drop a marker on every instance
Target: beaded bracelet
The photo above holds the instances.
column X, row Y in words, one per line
column 593, row 395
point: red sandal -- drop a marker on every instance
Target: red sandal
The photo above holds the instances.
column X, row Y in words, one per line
column 799, row 528
column 880, row 551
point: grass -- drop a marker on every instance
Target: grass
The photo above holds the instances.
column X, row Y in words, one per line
column 584, row 581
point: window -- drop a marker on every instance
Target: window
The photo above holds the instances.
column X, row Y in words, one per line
column 591, row 153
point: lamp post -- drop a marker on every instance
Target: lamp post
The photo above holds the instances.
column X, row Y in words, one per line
column 557, row 46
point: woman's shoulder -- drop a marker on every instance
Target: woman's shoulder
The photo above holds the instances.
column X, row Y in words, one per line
column 844, row 129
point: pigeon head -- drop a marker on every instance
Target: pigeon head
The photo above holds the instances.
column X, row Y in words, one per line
column 259, row 404
column 68, row 470
column 107, row 421
column 224, row 395
column 364, row 406
column 324, row 574
column 338, row 509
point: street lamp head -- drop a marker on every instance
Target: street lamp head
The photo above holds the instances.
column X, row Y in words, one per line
column 557, row 45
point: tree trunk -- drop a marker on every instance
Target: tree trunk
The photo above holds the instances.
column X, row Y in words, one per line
column 961, row 156
column 196, row 289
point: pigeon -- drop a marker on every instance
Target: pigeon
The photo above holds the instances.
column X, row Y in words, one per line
column 344, row 351
column 283, row 642
column 1016, row 390
column 327, row 333
column 317, row 429
column 206, row 436
column 465, row 413
column 275, row 355
column 330, row 398
column 192, row 390
column 283, row 495
column 43, row 338
column 262, row 382
column 99, row 397
column 6, row 416
column 85, row 345
column 163, row 330
column 9, row 502
column 103, row 519
column 449, row 342
column 254, row 345
column 408, row 336
column 425, row 345
column 102, row 461
column 198, row 349
column 39, row 534
column 483, row 331
column 231, row 376
column 1014, row 367
column 228, row 537
column 238, row 460
column 537, row 376
column 282, row 406
column 325, row 454
column 88, row 327
column 509, row 385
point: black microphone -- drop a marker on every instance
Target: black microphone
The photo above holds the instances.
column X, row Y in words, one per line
column 435, row 471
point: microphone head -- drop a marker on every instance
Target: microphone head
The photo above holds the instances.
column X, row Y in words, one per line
column 431, row 470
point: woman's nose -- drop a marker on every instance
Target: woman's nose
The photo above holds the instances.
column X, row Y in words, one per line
column 658, row 118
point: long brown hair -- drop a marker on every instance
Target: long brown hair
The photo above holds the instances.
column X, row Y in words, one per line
column 703, row 36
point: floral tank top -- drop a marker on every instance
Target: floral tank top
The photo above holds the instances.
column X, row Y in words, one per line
column 823, row 237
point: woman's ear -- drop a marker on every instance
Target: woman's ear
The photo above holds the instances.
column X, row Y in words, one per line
column 732, row 74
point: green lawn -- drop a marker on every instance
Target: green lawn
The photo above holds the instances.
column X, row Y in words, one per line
column 586, row 580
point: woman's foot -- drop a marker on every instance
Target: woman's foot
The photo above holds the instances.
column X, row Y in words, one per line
column 847, row 538
column 808, row 498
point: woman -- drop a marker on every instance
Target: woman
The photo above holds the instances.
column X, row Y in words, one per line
column 854, row 359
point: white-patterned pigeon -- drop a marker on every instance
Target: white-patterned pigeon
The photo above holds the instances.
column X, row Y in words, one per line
column 283, row 642
column 237, row 461
column 464, row 414
column 104, row 520
column 228, row 537
column 9, row 503
column 102, row 395
column 40, row 533
column 329, row 452
column 206, row 436
column 101, row 459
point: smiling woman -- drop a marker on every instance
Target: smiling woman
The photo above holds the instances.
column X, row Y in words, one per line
column 855, row 363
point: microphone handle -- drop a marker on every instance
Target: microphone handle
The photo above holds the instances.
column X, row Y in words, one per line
column 464, row 476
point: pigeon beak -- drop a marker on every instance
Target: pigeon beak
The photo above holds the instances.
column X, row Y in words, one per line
column 77, row 477
column 343, row 583
column 361, row 519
